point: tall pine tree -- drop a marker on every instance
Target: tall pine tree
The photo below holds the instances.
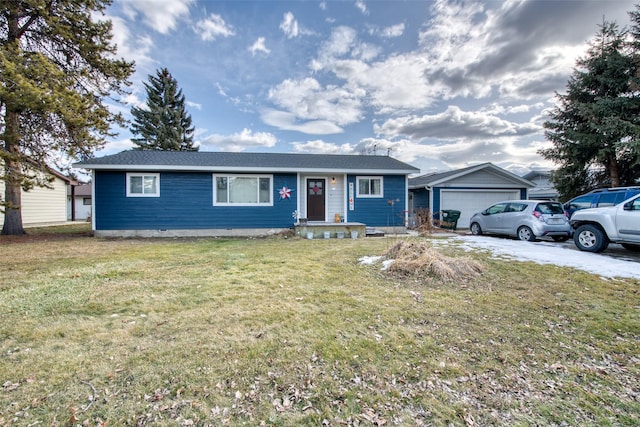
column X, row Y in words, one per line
column 595, row 127
column 164, row 124
column 57, row 65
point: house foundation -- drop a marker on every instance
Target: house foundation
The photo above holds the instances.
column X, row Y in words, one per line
column 318, row 230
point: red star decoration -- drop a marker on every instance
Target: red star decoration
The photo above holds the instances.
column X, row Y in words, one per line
column 285, row 193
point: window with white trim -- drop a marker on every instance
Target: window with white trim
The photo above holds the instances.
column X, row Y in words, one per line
column 369, row 186
column 243, row 190
column 143, row 185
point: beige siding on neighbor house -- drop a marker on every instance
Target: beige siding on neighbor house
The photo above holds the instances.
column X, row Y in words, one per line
column 43, row 205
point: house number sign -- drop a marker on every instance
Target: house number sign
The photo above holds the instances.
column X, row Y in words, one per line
column 351, row 205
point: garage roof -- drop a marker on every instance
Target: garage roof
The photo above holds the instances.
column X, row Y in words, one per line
column 438, row 179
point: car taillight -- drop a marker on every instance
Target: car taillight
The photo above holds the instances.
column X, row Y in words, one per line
column 537, row 214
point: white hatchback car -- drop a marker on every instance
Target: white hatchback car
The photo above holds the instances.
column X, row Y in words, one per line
column 524, row 219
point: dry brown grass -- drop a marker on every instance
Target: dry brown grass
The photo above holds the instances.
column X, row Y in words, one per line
column 419, row 258
column 296, row 332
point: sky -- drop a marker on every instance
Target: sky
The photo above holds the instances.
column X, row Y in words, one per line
column 440, row 85
column 544, row 253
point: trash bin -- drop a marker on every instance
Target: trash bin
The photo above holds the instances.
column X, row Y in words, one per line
column 450, row 219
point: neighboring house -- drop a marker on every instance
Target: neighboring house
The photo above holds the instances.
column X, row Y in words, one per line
column 467, row 190
column 79, row 202
column 544, row 189
column 44, row 205
column 158, row 193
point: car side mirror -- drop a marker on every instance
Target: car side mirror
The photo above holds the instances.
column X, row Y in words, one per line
column 628, row 206
column 485, row 212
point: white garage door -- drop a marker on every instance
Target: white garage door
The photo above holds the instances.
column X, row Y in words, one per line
column 469, row 202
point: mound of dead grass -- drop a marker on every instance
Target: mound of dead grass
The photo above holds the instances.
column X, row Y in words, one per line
column 421, row 259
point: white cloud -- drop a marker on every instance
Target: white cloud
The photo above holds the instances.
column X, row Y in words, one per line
column 393, row 31
column 320, row 147
column 360, row 4
column 113, row 147
column 397, row 82
column 522, row 49
column 161, row 15
column 240, row 141
column 308, row 100
column 289, row 26
column 213, row 27
column 288, row 121
column 259, row 46
column 343, row 43
column 194, row 105
column 130, row 47
column 454, row 123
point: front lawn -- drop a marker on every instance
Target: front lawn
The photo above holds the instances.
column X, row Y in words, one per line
column 289, row 332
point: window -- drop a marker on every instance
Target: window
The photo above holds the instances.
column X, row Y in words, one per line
column 496, row 209
column 86, row 201
column 608, row 199
column 143, row 185
column 550, row 208
column 241, row 190
column 581, row 202
column 516, row 207
column 370, row 186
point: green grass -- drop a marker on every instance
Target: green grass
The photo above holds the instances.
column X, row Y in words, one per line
column 290, row 332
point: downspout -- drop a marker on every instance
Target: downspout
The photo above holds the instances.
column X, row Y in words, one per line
column 73, row 202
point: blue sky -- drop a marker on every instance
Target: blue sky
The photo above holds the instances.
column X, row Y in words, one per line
column 438, row 84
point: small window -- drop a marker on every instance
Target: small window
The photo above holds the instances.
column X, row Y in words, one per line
column 550, row 208
column 516, row 207
column 370, row 186
column 581, row 202
column 86, row 201
column 496, row 209
column 143, row 185
column 607, row 199
column 243, row 190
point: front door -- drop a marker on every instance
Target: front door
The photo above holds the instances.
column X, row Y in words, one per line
column 316, row 199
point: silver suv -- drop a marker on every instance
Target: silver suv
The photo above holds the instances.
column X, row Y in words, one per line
column 524, row 219
column 595, row 228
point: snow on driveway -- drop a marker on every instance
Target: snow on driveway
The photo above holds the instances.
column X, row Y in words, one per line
column 547, row 253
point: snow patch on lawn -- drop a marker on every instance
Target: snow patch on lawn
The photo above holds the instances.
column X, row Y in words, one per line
column 368, row 260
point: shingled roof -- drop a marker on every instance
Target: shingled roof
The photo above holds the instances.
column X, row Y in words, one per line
column 435, row 179
column 244, row 162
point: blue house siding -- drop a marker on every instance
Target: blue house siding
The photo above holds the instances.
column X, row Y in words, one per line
column 376, row 211
column 420, row 199
column 186, row 201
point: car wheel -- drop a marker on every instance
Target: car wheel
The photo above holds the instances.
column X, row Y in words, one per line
column 590, row 238
column 476, row 230
column 631, row 247
column 525, row 233
column 560, row 238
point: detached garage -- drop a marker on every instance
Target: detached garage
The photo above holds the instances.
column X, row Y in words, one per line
column 467, row 190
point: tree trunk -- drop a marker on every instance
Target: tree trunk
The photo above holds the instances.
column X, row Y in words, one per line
column 13, row 188
column 614, row 173
column 12, row 167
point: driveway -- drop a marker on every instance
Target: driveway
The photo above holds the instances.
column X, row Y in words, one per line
column 614, row 251
column 614, row 262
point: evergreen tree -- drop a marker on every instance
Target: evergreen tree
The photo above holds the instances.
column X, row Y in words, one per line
column 164, row 124
column 595, row 127
column 57, row 65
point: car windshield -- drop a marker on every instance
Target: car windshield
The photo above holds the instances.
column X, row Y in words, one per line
column 550, row 208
